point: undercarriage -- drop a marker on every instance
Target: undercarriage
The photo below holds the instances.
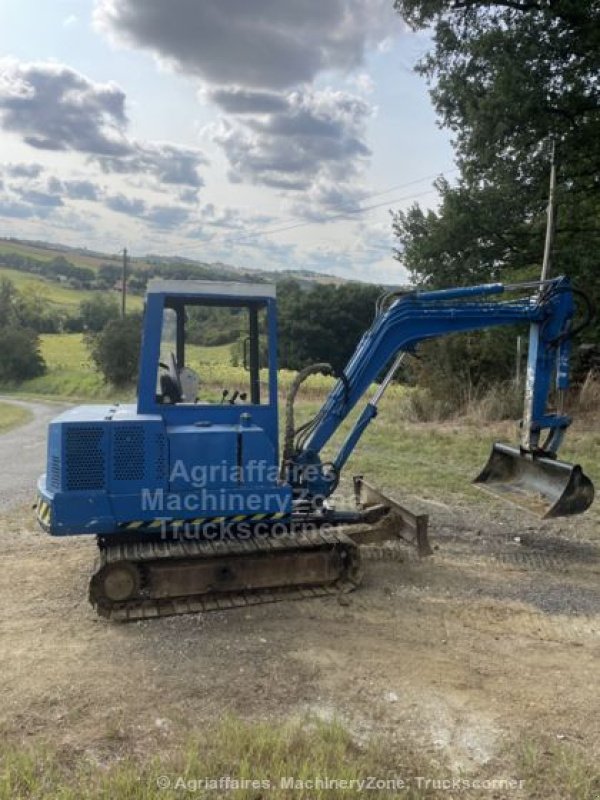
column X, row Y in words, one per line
column 142, row 577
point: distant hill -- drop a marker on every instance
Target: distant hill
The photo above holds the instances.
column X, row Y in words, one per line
column 55, row 262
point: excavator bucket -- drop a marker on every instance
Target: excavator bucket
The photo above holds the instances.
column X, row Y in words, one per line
column 544, row 486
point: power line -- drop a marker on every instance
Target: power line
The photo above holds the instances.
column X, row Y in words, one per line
column 245, row 238
column 332, row 218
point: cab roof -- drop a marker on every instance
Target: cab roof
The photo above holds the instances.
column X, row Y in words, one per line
column 210, row 288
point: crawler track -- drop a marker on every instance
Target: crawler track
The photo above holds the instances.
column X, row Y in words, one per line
column 143, row 580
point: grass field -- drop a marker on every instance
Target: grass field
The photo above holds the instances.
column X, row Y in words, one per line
column 71, row 374
column 249, row 761
column 11, row 416
column 264, row 759
column 259, row 752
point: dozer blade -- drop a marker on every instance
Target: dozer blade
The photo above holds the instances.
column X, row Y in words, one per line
column 398, row 521
column 544, row 486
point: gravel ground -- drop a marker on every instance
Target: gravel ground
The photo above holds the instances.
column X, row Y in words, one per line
column 23, row 453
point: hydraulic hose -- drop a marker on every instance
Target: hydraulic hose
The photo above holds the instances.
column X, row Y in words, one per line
column 290, row 432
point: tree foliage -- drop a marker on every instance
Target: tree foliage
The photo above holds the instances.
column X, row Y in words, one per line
column 323, row 323
column 20, row 356
column 115, row 350
column 96, row 311
column 508, row 78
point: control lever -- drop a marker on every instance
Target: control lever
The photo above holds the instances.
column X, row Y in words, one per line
column 234, row 397
column 225, row 393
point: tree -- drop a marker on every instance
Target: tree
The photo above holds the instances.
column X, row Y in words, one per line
column 20, row 356
column 97, row 311
column 116, row 349
column 507, row 79
column 323, row 323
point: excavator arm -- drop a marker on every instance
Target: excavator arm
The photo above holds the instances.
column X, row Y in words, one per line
column 414, row 317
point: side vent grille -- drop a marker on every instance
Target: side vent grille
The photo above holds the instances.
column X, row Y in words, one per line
column 85, row 458
column 128, row 454
column 54, row 474
column 161, row 457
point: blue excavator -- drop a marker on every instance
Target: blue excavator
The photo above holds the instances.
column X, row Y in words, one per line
column 190, row 503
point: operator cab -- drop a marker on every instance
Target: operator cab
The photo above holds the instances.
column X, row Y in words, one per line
column 204, row 324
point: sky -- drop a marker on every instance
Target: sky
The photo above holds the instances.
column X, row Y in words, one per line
column 271, row 134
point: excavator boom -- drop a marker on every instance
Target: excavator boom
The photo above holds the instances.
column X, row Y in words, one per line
column 529, row 475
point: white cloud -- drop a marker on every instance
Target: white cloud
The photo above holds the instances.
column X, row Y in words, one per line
column 53, row 107
column 312, row 135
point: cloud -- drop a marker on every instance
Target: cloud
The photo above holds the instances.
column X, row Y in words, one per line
column 167, row 217
column 237, row 100
column 313, row 135
column 325, row 199
column 32, row 170
column 11, row 208
column 38, row 198
column 263, row 43
column 133, row 206
column 168, row 163
column 82, row 190
column 363, row 83
column 53, row 107
column 189, row 196
column 75, row 189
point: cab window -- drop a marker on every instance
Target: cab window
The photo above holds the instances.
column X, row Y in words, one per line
column 213, row 352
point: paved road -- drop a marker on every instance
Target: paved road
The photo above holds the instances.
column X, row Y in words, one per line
column 23, row 453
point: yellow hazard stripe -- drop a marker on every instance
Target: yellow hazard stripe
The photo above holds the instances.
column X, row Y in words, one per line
column 44, row 512
column 156, row 523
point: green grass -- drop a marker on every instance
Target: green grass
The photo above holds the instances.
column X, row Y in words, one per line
column 54, row 293
column 11, row 416
column 263, row 751
column 71, row 374
column 226, row 760
column 557, row 770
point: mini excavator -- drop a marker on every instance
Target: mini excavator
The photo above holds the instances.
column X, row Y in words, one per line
column 189, row 502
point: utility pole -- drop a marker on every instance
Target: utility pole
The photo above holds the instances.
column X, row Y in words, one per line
column 124, row 283
column 550, row 217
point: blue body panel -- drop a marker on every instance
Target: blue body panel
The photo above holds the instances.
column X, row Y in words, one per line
column 109, row 466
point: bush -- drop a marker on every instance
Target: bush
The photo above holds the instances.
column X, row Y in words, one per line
column 116, row 350
column 96, row 312
column 20, row 356
column 458, row 371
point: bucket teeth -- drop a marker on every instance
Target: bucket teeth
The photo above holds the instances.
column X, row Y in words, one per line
column 544, row 486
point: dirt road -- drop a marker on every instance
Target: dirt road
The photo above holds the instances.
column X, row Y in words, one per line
column 23, row 453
